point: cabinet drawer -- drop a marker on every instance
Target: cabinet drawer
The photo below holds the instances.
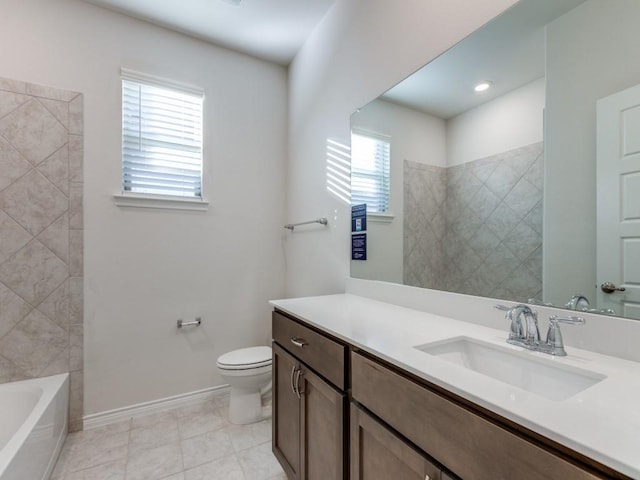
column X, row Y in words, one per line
column 322, row 354
column 466, row 443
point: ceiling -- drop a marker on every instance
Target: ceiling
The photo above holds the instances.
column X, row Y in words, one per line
column 273, row 30
column 509, row 51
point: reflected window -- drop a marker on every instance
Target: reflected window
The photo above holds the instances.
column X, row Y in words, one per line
column 370, row 171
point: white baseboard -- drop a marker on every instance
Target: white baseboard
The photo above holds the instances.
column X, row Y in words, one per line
column 96, row 420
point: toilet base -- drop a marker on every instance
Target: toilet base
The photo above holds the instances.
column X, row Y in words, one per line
column 245, row 407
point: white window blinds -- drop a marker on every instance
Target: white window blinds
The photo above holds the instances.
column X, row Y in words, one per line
column 161, row 140
column 370, row 171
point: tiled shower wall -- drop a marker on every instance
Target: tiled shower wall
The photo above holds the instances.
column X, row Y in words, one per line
column 41, row 236
column 492, row 245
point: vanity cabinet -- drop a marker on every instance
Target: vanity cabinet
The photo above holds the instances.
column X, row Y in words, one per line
column 309, row 402
column 469, row 445
column 377, row 453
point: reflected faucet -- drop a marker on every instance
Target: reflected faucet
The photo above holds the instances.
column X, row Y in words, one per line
column 578, row 302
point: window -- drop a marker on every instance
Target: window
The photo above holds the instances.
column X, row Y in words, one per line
column 161, row 138
column 370, row 171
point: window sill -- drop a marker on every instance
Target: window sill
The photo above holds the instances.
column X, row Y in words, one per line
column 380, row 217
column 158, row 201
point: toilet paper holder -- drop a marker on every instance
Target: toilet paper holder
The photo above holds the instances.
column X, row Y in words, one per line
column 182, row 323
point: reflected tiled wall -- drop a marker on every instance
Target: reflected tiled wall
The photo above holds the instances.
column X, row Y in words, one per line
column 492, row 244
column 41, row 236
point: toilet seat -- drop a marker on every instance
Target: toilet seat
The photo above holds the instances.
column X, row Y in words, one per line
column 245, row 359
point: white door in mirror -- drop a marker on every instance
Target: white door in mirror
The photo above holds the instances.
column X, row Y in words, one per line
column 618, row 202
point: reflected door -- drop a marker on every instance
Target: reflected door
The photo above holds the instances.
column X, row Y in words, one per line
column 618, row 201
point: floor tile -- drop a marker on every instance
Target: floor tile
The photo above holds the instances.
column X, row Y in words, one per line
column 226, row 468
column 108, row 471
column 164, row 433
column 205, row 448
column 247, row 436
column 155, row 463
column 258, row 463
column 202, row 422
column 96, row 452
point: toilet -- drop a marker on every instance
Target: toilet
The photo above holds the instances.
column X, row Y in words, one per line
column 248, row 372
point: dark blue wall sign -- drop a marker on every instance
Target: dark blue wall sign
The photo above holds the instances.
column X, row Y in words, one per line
column 359, row 246
column 359, row 218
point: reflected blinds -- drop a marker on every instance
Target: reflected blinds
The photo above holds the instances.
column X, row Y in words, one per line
column 161, row 140
column 370, row 171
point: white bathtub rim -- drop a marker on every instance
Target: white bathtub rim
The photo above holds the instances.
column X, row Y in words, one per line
column 50, row 386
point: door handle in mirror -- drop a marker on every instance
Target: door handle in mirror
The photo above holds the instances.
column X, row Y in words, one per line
column 610, row 287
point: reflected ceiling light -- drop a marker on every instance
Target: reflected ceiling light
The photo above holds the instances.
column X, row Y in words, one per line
column 481, row 87
column 233, row 2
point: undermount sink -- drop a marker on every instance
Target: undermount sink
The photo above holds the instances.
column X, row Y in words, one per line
column 517, row 368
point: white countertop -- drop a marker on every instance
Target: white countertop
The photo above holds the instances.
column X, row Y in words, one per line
column 601, row 422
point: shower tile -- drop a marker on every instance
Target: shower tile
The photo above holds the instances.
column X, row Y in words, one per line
column 484, row 203
column 12, row 164
column 33, row 131
column 10, row 372
column 76, row 116
column 76, row 301
column 13, row 86
column 13, row 236
column 60, row 364
column 76, row 154
column 9, row 101
column 205, row 448
column 76, row 348
column 154, row 463
column 33, row 343
column 57, row 108
column 227, row 468
column 56, row 169
column 502, row 180
column 34, row 202
column 258, row 463
column 523, row 197
column 76, row 395
column 503, row 220
column 12, row 310
column 49, row 92
column 522, row 241
column 33, row 273
column 535, row 174
column 76, row 255
column 75, row 206
column 534, row 218
column 56, row 237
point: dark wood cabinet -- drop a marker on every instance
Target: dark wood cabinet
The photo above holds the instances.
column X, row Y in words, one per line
column 309, row 435
column 378, row 454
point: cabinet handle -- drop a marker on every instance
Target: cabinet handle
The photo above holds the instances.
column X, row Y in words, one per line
column 298, row 342
column 299, row 393
column 293, row 388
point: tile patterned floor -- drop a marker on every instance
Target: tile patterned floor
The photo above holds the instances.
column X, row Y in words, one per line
column 189, row 443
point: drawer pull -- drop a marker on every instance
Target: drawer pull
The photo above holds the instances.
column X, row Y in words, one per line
column 298, row 342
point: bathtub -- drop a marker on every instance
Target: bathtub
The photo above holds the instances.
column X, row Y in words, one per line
column 33, row 426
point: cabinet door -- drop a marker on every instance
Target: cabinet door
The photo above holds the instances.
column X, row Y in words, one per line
column 378, row 454
column 323, row 428
column 286, row 413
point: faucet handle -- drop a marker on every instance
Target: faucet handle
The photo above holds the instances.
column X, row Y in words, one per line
column 555, row 319
column 554, row 344
column 502, row 307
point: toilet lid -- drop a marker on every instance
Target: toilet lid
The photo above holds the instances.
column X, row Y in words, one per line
column 252, row 357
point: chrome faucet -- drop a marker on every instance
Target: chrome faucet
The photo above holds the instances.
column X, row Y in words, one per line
column 524, row 325
column 524, row 330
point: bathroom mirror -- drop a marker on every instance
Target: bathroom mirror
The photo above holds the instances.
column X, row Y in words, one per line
column 496, row 193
